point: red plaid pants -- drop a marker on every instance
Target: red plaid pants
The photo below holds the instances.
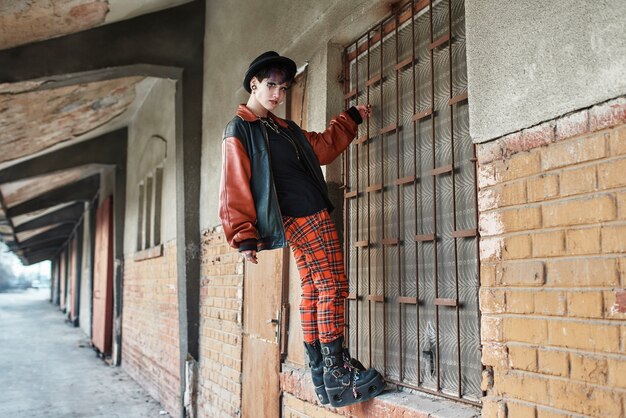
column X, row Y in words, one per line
column 315, row 245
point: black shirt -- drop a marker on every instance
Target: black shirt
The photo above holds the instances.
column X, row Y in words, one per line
column 298, row 194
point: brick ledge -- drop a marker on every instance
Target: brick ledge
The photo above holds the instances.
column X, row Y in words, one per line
column 153, row 252
column 608, row 114
column 297, row 383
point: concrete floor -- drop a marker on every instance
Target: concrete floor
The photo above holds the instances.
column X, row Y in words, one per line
column 48, row 369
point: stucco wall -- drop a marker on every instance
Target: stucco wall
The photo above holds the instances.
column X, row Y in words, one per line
column 155, row 117
column 237, row 32
column 531, row 61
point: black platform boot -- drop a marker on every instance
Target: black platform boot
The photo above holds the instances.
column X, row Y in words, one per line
column 346, row 380
column 316, row 364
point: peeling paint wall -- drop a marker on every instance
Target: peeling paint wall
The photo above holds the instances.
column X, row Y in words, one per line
column 58, row 115
column 26, row 21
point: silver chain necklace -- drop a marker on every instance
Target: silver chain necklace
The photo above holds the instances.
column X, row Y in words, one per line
column 269, row 122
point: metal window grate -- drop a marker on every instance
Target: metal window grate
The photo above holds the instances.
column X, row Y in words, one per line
column 411, row 239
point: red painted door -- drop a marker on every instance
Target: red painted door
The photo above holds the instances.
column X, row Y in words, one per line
column 102, row 326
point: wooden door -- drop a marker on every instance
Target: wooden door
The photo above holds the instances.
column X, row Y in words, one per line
column 102, row 326
column 261, row 350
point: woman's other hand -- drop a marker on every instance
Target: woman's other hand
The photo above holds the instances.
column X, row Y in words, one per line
column 250, row 255
column 364, row 110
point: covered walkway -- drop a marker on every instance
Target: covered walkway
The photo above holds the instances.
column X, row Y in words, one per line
column 48, row 369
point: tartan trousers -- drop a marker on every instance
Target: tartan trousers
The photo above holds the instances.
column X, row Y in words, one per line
column 319, row 257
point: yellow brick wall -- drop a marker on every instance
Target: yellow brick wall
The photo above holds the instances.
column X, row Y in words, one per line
column 150, row 346
column 552, row 210
column 221, row 298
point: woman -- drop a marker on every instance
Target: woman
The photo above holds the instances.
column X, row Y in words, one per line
column 273, row 193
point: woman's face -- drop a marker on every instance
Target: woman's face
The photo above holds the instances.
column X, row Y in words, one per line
column 270, row 92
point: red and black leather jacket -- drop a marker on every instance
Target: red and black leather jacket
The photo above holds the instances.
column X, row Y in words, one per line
column 248, row 206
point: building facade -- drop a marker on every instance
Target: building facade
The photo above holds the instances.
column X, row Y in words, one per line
column 482, row 208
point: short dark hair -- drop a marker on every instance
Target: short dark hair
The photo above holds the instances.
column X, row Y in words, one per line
column 283, row 74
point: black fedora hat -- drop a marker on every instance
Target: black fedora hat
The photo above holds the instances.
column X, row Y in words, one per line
column 267, row 59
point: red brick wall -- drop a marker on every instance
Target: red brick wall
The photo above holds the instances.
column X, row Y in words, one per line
column 221, row 303
column 150, row 348
column 552, row 205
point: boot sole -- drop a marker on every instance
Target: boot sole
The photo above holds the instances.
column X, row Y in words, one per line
column 322, row 396
column 341, row 397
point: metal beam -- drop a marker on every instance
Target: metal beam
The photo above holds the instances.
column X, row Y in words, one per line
column 68, row 214
column 82, row 190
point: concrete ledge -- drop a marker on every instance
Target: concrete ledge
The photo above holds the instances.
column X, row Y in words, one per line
column 400, row 403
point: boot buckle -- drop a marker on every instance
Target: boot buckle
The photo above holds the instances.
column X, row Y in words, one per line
column 328, row 362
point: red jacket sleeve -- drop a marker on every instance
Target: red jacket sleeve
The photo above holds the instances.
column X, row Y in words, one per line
column 329, row 144
column 236, row 206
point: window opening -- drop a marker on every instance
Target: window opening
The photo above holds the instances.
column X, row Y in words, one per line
column 411, row 239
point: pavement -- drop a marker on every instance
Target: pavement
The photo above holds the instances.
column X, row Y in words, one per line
column 48, row 368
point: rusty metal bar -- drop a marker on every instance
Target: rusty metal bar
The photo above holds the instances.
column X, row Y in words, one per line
column 388, row 28
column 415, row 198
column 361, row 139
column 361, row 244
column 421, row 115
column 350, row 195
column 374, row 80
column 425, row 237
column 390, row 241
column 404, row 63
column 405, row 180
column 434, row 45
column 358, row 205
column 369, row 229
column 457, row 99
column 446, row 302
column 406, row 300
column 376, row 298
column 374, row 188
column 351, row 93
column 442, row 170
column 346, row 206
column 399, row 206
column 382, row 197
column 464, row 233
column 434, row 179
column 393, row 126
column 456, row 251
